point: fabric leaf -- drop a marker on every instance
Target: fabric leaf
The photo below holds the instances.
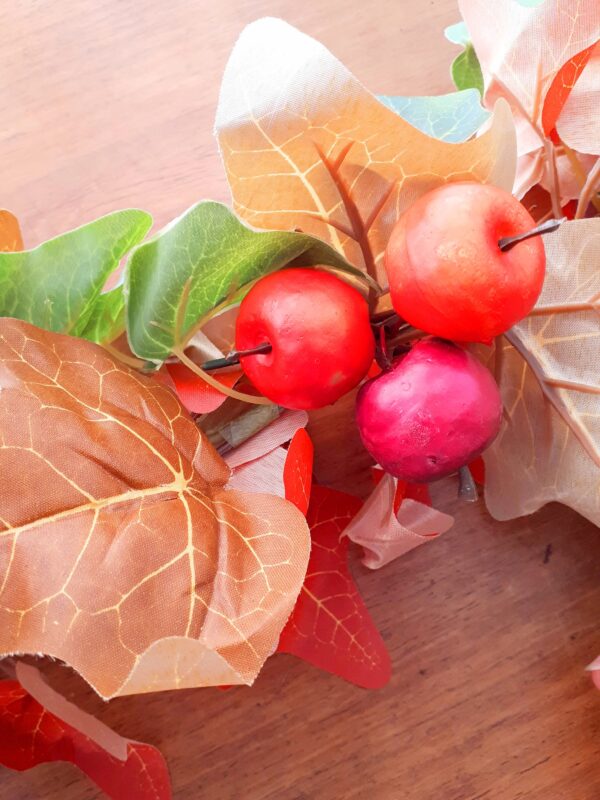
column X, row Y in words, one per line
column 453, row 117
column 579, row 123
column 387, row 531
column 56, row 285
column 197, row 262
column 561, row 87
column 32, row 733
column 297, row 473
column 330, row 626
column 533, row 56
column 10, row 233
column 548, row 369
column 116, row 528
column 466, row 71
column 457, row 34
column 197, row 395
column 107, row 319
column 306, row 146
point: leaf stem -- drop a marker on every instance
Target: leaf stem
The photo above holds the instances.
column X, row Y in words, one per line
column 130, row 361
column 206, row 376
column 545, row 227
column 579, row 172
column 589, row 190
column 554, row 185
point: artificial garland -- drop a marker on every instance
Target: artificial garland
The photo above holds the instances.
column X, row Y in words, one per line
column 152, row 418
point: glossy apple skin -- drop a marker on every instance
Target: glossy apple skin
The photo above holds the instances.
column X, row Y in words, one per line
column 319, row 330
column 446, row 273
column 436, row 410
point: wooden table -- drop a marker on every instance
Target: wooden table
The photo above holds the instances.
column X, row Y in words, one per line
column 108, row 104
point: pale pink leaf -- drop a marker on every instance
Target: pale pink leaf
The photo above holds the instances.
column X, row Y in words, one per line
column 271, row 437
column 385, row 535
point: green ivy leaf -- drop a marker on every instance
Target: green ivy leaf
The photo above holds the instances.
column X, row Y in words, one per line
column 466, row 70
column 199, row 261
column 107, row 320
column 56, row 285
column 453, row 117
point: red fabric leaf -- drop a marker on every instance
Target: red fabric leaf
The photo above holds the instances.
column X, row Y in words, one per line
column 297, row 472
column 477, row 468
column 560, row 89
column 195, row 394
column 413, row 491
column 330, row 626
column 31, row 735
column 374, row 370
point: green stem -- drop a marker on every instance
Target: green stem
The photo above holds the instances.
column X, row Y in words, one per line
column 206, row 376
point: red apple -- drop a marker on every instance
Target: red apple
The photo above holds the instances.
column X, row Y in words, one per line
column 446, row 273
column 319, row 330
column 436, row 410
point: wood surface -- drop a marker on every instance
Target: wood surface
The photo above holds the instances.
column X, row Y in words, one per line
column 108, row 104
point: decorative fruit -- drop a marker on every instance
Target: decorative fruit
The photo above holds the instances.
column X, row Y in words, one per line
column 436, row 410
column 446, row 272
column 318, row 327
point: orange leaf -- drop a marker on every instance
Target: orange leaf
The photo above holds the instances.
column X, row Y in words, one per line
column 579, row 124
column 116, row 528
column 560, row 89
column 10, row 233
column 330, row 626
column 297, row 472
column 197, row 395
column 31, row 734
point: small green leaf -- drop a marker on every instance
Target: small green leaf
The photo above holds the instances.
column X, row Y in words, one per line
column 55, row 286
column 453, row 117
column 197, row 262
column 107, row 320
column 466, row 70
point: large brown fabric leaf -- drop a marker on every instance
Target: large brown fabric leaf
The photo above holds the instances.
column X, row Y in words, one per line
column 120, row 550
column 548, row 368
column 306, row 146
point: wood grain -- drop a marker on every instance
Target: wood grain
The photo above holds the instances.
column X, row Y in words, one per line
column 110, row 104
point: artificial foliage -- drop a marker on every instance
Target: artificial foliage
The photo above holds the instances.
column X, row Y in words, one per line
column 165, row 509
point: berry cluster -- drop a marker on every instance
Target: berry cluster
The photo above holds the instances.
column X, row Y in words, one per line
column 460, row 271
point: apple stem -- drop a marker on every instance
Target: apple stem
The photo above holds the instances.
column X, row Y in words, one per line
column 382, row 356
column 234, row 356
column 546, row 227
column 467, row 490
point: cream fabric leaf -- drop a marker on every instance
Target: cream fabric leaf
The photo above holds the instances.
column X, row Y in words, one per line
column 521, row 50
column 548, row 368
column 306, row 146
